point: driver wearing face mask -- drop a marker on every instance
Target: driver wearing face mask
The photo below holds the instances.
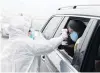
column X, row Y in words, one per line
column 75, row 31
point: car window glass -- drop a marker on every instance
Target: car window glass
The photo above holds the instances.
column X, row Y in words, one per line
column 61, row 27
column 97, row 61
column 99, row 51
column 51, row 27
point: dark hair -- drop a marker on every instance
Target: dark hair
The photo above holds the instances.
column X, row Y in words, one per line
column 29, row 31
column 77, row 26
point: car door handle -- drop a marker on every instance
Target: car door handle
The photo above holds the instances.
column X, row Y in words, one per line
column 43, row 57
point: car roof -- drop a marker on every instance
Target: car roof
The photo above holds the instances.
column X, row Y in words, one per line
column 87, row 10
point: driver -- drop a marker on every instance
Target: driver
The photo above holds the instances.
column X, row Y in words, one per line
column 75, row 31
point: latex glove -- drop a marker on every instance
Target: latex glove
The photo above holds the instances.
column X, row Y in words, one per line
column 64, row 34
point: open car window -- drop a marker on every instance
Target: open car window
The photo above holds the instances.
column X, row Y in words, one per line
column 65, row 43
column 63, row 56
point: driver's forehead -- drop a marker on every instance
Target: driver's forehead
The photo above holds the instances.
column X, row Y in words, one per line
column 70, row 29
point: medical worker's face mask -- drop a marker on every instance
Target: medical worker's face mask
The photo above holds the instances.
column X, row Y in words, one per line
column 31, row 34
column 74, row 36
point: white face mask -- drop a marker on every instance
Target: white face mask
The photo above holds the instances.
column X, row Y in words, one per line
column 74, row 36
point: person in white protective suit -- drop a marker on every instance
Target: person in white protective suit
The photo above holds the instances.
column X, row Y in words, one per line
column 23, row 53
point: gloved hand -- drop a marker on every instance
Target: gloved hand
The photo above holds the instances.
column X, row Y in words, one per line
column 64, row 34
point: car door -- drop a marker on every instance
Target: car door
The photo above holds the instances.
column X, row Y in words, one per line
column 58, row 61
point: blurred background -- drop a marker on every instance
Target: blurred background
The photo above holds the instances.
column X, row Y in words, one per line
column 38, row 10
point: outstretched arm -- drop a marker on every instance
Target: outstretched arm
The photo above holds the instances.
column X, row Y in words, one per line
column 47, row 46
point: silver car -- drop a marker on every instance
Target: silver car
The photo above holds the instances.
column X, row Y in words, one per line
column 87, row 56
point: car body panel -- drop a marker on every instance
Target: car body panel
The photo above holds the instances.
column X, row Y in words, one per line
column 62, row 57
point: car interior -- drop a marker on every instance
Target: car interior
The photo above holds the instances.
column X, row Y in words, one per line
column 97, row 61
column 70, row 52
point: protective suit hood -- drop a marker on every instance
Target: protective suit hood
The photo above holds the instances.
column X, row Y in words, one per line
column 19, row 26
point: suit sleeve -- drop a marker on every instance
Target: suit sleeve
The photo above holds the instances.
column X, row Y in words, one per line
column 47, row 46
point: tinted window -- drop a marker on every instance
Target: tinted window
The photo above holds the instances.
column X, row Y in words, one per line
column 97, row 60
column 52, row 27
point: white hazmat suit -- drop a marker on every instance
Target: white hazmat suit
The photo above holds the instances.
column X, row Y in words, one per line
column 22, row 53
